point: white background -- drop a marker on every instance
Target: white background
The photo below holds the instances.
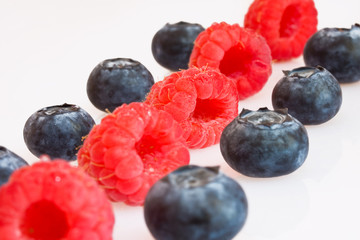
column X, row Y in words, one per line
column 48, row 49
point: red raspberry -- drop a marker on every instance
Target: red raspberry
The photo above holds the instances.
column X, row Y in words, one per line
column 202, row 100
column 53, row 200
column 131, row 149
column 239, row 53
column 286, row 25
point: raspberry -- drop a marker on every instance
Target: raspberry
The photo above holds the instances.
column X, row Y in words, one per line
column 239, row 53
column 131, row 149
column 286, row 25
column 202, row 100
column 53, row 200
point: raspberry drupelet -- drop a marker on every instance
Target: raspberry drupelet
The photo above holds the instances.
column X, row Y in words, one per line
column 54, row 200
column 131, row 149
column 285, row 24
column 202, row 100
column 239, row 53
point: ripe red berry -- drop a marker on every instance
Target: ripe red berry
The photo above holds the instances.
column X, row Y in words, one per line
column 54, row 200
column 202, row 100
column 239, row 53
column 286, row 25
column 131, row 149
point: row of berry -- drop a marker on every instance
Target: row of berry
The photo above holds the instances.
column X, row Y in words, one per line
column 146, row 136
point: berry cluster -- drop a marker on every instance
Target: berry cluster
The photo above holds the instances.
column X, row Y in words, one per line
column 139, row 152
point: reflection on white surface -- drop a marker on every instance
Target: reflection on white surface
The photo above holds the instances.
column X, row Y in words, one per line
column 285, row 206
column 48, row 49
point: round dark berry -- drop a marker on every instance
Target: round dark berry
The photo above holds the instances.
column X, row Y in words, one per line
column 311, row 94
column 114, row 82
column 337, row 50
column 57, row 131
column 172, row 45
column 195, row 203
column 264, row 143
column 9, row 162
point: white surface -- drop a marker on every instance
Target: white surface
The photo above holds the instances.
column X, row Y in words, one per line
column 48, row 49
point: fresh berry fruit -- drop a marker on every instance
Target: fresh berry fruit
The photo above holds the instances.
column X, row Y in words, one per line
column 57, row 131
column 264, row 143
column 285, row 24
column 195, row 203
column 114, row 82
column 53, row 200
column 9, row 162
column 239, row 53
column 202, row 100
column 311, row 94
column 131, row 149
column 337, row 50
column 172, row 45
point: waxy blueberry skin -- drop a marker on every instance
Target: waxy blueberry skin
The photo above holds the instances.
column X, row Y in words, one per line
column 195, row 203
column 312, row 95
column 116, row 81
column 57, row 131
column 9, row 162
column 337, row 50
column 264, row 143
column 171, row 46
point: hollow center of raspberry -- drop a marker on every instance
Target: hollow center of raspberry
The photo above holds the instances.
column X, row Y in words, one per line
column 44, row 220
column 146, row 146
column 290, row 21
column 148, row 150
column 208, row 109
column 235, row 61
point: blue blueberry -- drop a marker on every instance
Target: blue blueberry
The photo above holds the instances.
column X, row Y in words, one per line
column 57, row 131
column 9, row 162
column 311, row 94
column 172, row 45
column 264, row 143
column 114, row 82
column 195, row 203
column 337, row 50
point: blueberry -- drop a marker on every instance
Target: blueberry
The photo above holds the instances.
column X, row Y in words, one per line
column 9, row 162
column 264, row 143
column 172, row 45
column 195, row 203
column 114, row 82
column 337, row 50
column 57, row 131
column 311, row 94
